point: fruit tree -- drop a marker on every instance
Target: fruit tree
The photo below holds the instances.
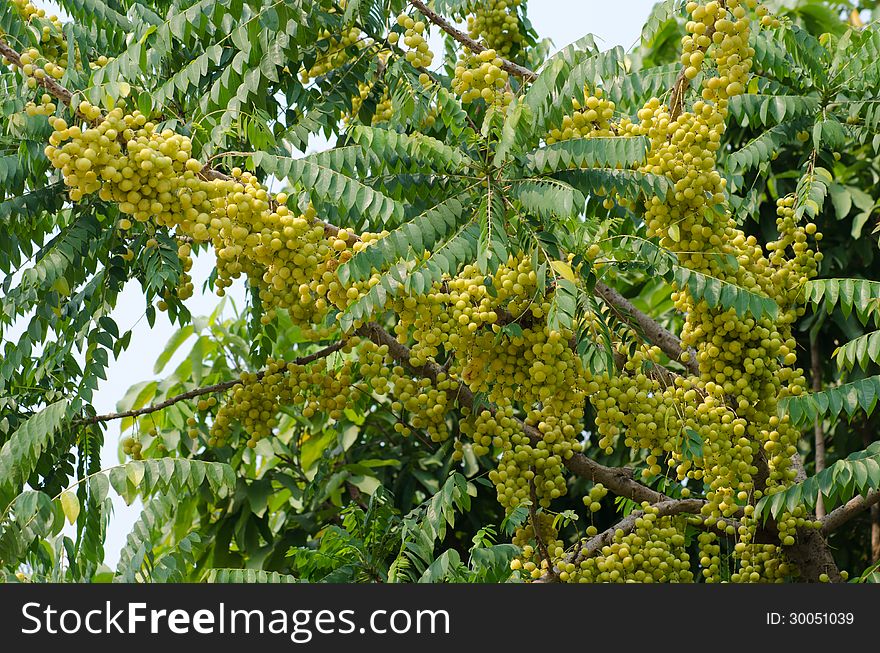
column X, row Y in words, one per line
column 583, row 315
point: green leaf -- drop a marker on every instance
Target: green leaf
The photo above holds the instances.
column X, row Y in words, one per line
column 390, row 145
column 757, row 109
column 716, row 292
column 693, row 445
column 599, row 152
column 240, row 576
column 859, row 471
column 409, row 240
column 848, row 398
column 324, row 183
column 860, row 351
column 631, row 184
column 841, row 198
column 859, row 295
column 174, row 342
column 548, row 198
column 20, row 453
column 563, row 306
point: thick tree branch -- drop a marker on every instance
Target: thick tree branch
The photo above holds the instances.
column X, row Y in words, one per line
column 617, row 479
column 606, row 537
column 54, row 89
column 211, row 389
column 666, row 340
column 469, row 43
column 811, row 553
column 668, row 507
column 852, row 508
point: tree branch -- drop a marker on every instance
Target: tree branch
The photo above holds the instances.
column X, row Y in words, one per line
column 585, row 549
column 54, row 89
column 810, row 552
column 198, row 392
column 472, row 45
column 667, row 341
column 617, row 479
column 664, row 508
column 852, row 508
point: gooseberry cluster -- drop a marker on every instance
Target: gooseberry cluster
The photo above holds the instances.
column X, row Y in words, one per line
column 51, row 60
column 254, row 402
column 496, row 23
column 153, row 178
column 334, row 52
column 46, row 107
column 131, row 447
column 746, row 363
column 481, row 76
column 458, row 324
column 592, row 117
column 419, row 54
column 547, row 534
column 384, row 109
column 653, row 551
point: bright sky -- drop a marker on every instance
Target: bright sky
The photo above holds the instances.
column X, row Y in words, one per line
column 564, row 21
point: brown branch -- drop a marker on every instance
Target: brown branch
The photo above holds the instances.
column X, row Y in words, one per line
column 617, row 479
column 585, row 549
column 667, row 341
column 472, row 45
column 875, row 533
column 810, row 552
column 211, row 389
column 664, row 508
column 852, row 508
column 54, row 89
column 867, row 439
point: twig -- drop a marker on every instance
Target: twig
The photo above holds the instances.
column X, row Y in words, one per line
column 617, row 479
column 667, row 341
column 852, row 508
column 472, row 45
column 198, row 392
